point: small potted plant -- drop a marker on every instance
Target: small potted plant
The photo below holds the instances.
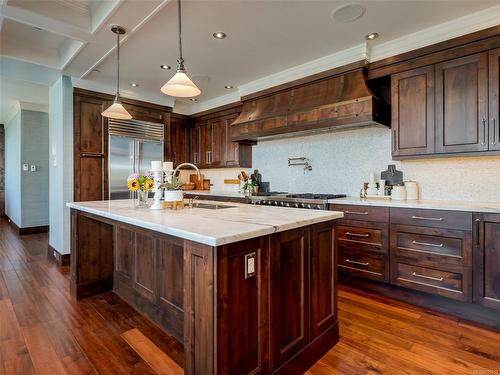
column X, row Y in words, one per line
column 142, row 184
column 173, row 190
column 249, row 186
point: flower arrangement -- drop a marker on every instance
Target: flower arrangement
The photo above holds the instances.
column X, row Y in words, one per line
column 136, row 182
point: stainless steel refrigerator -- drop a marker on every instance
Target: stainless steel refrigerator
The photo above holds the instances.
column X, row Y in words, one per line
column 133, row 145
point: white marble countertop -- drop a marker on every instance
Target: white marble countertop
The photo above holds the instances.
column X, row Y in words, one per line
column 489, row 207
column 216, row 193
column 208, row 226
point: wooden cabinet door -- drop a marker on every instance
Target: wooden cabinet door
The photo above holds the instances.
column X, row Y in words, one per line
column 243, row 339
column 323, row 279
column 462, row 104
column 145, row 281
column 217, row 151
column 494, row 103
column 413, row 112
column 486, row 267
column 195, row 140
column 205, row 139
column 180, row 142
column 90, row 149
column 232, row 148
column 289, row 294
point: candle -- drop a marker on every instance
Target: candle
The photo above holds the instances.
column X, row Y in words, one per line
column 156, row 165
column 168, row 166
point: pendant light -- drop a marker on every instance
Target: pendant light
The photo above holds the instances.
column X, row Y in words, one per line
column 116, row 110
column 180, row 85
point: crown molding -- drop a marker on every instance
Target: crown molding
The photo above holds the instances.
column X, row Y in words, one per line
column 159, row 99
column 213, row 103
column 448, row 30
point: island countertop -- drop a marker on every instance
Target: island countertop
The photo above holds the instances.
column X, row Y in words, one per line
column 213, row 227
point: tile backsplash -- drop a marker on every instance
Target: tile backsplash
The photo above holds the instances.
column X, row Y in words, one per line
column 342, row 160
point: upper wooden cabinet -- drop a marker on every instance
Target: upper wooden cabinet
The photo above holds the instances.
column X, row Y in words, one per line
column 447, row 108
column 487, row 260
column 494, row 104
column 462, row 104
column 180, row 139
column 413, row 112
column 211, row 145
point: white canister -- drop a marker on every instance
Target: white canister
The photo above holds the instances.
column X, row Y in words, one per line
column 398, row 193
column 174, row 195
column 411, row 190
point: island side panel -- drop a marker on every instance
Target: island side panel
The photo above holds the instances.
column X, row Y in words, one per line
column 199, row 309
column 91, row 255
column 242, row 308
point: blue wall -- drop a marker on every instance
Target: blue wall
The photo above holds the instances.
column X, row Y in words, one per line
column 27, row 193
column 35, row 185
column 13, row 168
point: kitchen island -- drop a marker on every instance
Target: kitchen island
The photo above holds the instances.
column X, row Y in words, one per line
column 246, row 289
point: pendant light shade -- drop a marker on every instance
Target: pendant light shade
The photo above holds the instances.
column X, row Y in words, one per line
column 180, row 85
column 116, row 110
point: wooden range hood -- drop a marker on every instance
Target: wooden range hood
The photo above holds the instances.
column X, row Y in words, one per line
column 336, row 102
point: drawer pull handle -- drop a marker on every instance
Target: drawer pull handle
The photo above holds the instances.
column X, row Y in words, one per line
column 354, row 262
column 358, row 234
column 356, row 213
column 427, row 277
column 427, row 218
column 427, row 244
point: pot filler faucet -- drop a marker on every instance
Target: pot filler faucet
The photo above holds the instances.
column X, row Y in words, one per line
column 187, row 165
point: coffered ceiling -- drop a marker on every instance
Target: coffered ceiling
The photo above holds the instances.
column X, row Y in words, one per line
column 267, row 41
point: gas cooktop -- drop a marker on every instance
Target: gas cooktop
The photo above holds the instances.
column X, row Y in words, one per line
column 303, row 200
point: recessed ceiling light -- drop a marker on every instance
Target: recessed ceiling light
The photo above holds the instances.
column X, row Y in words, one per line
column 165, row 67
column 193, row 99
column 348, row 13
column 371, row 36
column 133, row 84
column 219, row 35
column 229, row 87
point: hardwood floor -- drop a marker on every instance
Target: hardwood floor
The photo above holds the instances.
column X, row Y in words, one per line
column 44, row 331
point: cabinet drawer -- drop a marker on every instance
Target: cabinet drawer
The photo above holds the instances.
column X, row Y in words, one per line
column 367, row 264
column 431, row 247
column 363, row 236
column 447, row 284
column 364, row 213
column 432, row 218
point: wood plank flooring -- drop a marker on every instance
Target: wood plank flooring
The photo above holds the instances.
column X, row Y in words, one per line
column 44, row 331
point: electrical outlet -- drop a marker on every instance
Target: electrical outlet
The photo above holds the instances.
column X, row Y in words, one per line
column 250, row 265
column 33, row 168
column 26, row 167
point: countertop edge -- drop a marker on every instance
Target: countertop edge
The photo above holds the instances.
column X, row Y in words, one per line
column 206, row 240
column 479, row 207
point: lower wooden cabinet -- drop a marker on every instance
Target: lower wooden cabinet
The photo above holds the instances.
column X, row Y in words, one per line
column 487, row 260
column 289, row 294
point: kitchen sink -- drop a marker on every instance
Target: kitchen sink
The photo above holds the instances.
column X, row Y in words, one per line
column 211, row 206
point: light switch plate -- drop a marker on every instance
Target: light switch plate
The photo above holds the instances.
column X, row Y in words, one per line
column 250, row 265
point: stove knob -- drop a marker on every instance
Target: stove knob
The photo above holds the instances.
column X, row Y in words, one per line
column 318, row 207
column 308, row 206
column 276, row 203
column 282, row 203
column 287, row 205
column 302, row 205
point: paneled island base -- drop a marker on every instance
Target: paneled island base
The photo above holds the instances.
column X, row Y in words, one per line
column 265, row 305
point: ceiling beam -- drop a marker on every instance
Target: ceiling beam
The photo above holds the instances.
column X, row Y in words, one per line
column 46, row 23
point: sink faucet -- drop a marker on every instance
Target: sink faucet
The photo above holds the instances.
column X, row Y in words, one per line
column 185, row 165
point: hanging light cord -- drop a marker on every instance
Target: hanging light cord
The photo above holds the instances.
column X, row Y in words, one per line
column 180, row 65
column 117, row 65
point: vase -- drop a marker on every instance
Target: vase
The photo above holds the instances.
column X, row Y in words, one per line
column 174, row 195
column 142, row 198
